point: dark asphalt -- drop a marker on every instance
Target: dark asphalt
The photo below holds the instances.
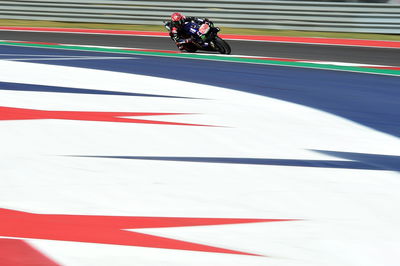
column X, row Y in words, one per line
column 381, row 56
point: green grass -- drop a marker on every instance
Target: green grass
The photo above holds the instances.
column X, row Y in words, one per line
column 224, row 30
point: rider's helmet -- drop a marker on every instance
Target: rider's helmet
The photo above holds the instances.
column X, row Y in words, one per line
column 177, row 18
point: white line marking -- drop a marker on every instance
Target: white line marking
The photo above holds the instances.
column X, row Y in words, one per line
column 45, row 55
column 67, row 58
column 342, row 64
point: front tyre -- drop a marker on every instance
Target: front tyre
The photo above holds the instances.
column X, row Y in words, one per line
column 222, row 46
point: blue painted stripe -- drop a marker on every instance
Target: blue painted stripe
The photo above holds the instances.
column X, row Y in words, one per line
column 42, row 88
column 384, row 162
column 370, row 100
column 254, row 161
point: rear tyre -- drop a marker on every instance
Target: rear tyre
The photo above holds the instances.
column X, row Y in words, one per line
column 222, row 46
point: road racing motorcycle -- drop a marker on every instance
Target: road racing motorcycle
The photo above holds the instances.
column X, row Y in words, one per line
column 201, row 37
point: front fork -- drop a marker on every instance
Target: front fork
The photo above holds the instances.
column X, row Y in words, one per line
column 211, row 37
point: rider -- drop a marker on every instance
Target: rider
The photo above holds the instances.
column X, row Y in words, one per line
column 176, row 28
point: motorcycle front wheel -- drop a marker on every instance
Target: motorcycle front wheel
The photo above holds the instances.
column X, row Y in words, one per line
column 222, row 46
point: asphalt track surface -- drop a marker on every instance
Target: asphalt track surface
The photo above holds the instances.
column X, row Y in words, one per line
column 366, row 55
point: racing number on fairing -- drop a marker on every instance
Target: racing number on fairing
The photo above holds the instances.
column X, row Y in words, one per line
column 204, row 28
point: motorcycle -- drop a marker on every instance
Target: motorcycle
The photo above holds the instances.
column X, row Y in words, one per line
column 201, row 37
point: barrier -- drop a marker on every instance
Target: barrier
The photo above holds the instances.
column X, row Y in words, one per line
column 287, row 15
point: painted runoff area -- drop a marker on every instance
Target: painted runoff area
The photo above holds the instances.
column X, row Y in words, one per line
column 339, row 66
column 121, row 158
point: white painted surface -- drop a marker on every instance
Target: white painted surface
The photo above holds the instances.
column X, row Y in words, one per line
column 351, row 216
